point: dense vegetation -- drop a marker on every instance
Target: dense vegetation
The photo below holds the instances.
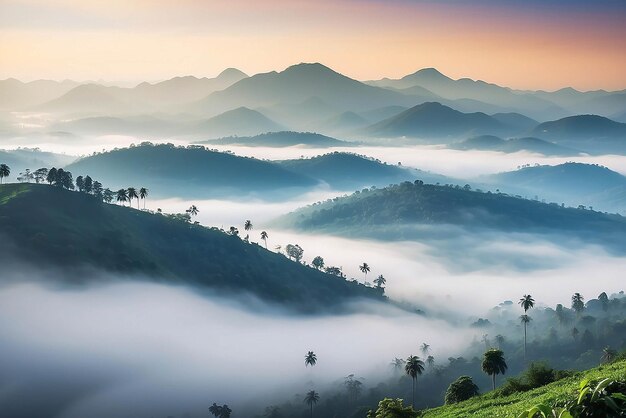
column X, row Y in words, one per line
column 364, row 213
column 70, row 230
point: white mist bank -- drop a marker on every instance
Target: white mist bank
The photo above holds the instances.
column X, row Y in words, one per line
column 147, row 349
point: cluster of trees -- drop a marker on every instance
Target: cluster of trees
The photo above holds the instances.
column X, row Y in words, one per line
column 127, row 195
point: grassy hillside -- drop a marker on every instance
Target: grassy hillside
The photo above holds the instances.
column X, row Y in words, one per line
column 50, row 227
column 494, row 405
column 392, row 209
column 187, row 171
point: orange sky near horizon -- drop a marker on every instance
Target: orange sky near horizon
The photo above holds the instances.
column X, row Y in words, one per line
column 364, row 39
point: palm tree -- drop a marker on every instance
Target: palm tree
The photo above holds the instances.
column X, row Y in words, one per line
column 608, row 354
column 575, row 333
column 215, row 410
column 264, row 237
column 193, row 210
column 4, row 171
column 525, row 320
column 527, row 302
column 143, row 194
column 578, row 303
column 247, row 225
column 414, row 367
column 365, row 268
column 500, row 340
column 311, row 398
column 494, row 363
column 430, row 360
column 425, row 349
column 310, row 359
column 122, row 195
column 397, row 363
column 132, row 194
column 380, row 281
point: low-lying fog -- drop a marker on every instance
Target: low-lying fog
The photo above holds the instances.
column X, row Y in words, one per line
column 130, row 348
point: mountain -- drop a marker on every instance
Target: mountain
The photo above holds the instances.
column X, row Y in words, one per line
column 241, row 121
column 70, row 232
column 528, row 144
column 516, row 120
column 445, row 87
column 433, row 120
column 108, row 125
column 90, row 99
column 282, row 139
column 381, row 113
column 16, row 95
column 590, row 133
column 180, row 90
column 298, row 83
column 192, row 171
column 572, row 183
column 349, row 171
column 20, row 159
column 403, row 211
column 342, row 123
column 301, row 115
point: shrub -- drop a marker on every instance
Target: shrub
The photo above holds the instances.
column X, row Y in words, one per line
column 461, row 389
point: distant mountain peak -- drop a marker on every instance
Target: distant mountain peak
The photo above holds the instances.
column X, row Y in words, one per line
column 232, row 73
column 429, row 74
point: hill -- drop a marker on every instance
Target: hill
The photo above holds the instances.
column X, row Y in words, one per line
column 521, row 122
column 348, row 171
column 572, row 183
column 108, row 125
column 16, row 95
column 342, row 123
column 282, row 139
column 296, row 84
column 240, row 121
column 189, row 171
column 69, row 230
column 494, row 143
column 389, row 213
column 590, row 133
column 493, row 404
column 434, row 120
column 21, row 159
column 93, row 99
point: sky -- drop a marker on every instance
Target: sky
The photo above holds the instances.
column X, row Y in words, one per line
column 530, row 44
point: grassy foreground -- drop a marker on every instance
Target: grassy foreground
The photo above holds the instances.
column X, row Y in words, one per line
column 491, row 405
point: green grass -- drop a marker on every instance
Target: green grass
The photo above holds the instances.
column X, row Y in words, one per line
column 492, row 405
column 10, row 192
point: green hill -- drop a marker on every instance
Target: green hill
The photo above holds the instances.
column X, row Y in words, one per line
column 53, row 228
column 387, row 214
column 492, row 404
column 188, row 172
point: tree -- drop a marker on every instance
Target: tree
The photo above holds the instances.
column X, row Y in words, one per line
column 575, row 333
column 40, row 175
column 380, row 281
column 80, row 183
column 414, row 367
column 248, row 225
column 5, row 170
column 97, row 189
column 425, row 349
column 63, row 179
column 294, row 252
column 143, row 194
column 500, row 340
column 122, row 195
column 527, row 302
column 318, row 262
column 132, row 194
column 430, row 360
column 335, row 271
column 88, row 185
column 365, row 268
column 264, row 237
column 51, row 176
column 608, row 354
column 578, row 303
column 310, row 359
column 460, row 390
column 354, row 386
column 108, row 195
column 226, row 411
column 215, row 410
column 392, row 408
column 193, row 210
column 493, row 364
column 398, row 364
column 232, row 230
column 525, row 320
column 26, row 176
column 604, row 300
column 311, row 398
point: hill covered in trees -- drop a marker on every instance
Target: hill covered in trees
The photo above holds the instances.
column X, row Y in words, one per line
column 55, row 228
column 191, row 171
column 389, row 213
column 529, row 144
column 281, row 139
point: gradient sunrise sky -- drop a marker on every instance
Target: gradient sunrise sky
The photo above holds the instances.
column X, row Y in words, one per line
column 534, row 44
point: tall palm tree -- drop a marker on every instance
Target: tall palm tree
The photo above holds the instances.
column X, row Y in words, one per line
column 122, row 195
column 311, row 398
column 143, row 194
column 248, row 225
column 494, row 363
column 4, row 171
column 527, row 302
column 380, row 281
column 264, row 237
column 525, row 320
column 132, row 194
column 414, row 367
column 310, row 359
column 365, row 268
column 425, row 349
column 578, row 303
column 193, row 210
